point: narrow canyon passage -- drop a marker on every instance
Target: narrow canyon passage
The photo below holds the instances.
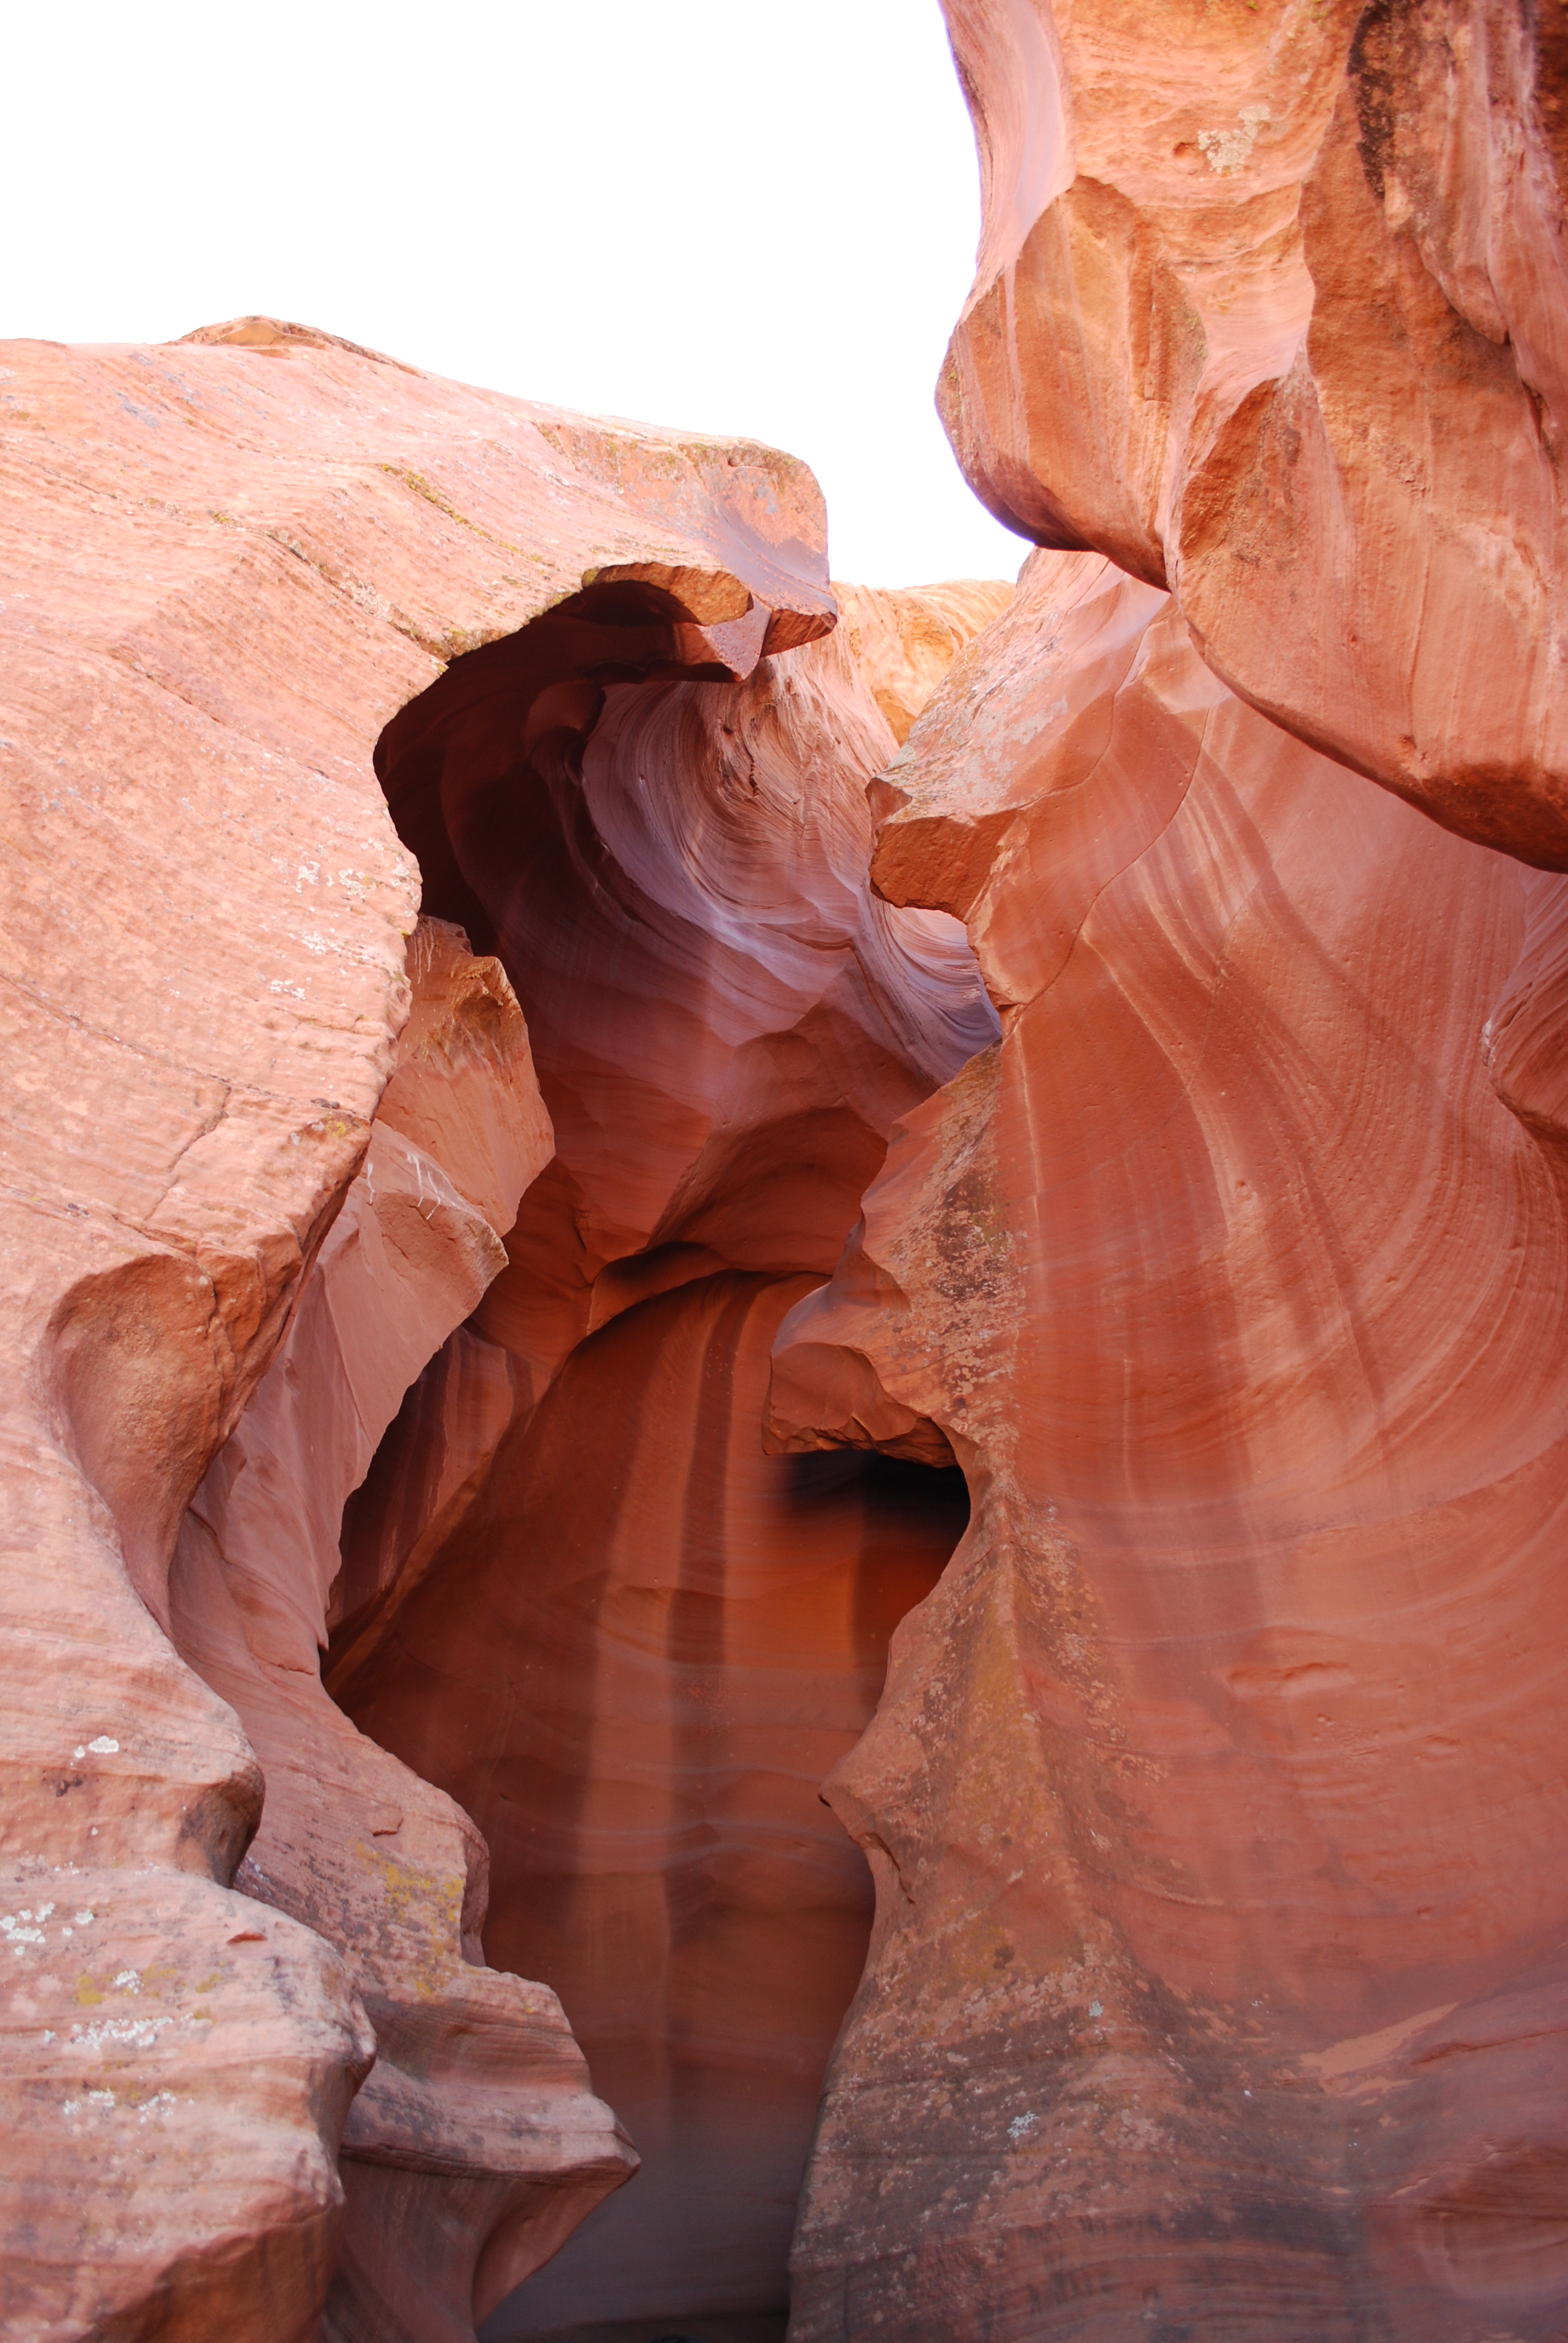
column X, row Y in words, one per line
column 576, row 1593
column 632, row 1664
column 973, row 1618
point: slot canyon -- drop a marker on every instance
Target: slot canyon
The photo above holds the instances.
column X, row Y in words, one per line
column 786, row 1431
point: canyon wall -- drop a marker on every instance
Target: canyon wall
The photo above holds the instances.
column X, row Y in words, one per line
column 629, row 1642
column 1272, row 309
column 256, row 1178
column 474, row 2144
column 1216, row 1801
column 603, row 1141
column 1216, row 1798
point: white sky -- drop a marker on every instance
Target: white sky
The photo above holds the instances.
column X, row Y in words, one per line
column 754, row 215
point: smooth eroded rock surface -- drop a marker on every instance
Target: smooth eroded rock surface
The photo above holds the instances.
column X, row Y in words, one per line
column 475, row 2145
column 1272, row 307
column 1216, row 1801
column 576, row 1591
column 625, row 1142
column 664, row 1640
column 228, row 564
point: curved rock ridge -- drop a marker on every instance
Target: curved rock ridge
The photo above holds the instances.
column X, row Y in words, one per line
column 904, row 641
column 662, row 1636
column 670, row 858
column 228, row 564
column 475, row 2145
column 1272, row 309
column 1215, row 1801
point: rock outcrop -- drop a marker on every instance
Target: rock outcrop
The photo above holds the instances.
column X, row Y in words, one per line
column 475, row 2145
column 260, row 1172
column 230, row 563
column 1215, row 1801
column 1272, row 307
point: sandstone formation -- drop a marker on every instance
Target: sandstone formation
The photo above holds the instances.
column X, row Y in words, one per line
column 1272, row 307
column 228, row 564
column 665, row 1638
column 607, row 1145
column 1216, row 1800
column 474, row 2146
column 903, row 643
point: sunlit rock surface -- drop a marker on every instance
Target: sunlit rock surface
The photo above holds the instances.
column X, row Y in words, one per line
column 1272, row 307
column 1216, row 1801
column 230, row 563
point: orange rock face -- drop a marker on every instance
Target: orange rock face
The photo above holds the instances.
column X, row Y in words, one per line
column 475, row 2144
column 664, row 1640
column 1216, row 1799
column 625, row 1143
column 1272, row 307
column 263, row 1165
column 664, row 1637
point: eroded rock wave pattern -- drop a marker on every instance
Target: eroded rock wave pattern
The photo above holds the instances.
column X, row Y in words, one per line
column 266, row 1145
column 666, row 1637
column 582, row 1107
column 1216, row 1798
column 1272, row 307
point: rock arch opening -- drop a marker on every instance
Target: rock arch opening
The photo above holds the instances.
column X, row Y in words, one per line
column 577, row 1593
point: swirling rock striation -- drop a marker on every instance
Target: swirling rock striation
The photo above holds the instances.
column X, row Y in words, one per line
column 664, row 1637
column 1215, row 1801
column 238, row 1214
column 1272, row 309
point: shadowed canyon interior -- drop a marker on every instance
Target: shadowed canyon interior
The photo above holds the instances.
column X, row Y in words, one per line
column 576, row 1593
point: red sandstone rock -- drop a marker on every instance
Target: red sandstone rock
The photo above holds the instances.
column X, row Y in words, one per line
column 1215, row 1803
column 1216, row 1800
column 904, row 642
column 724, row 1020
column 1272, row 307
column 664, row 1638
column 228, row 564
column 475, row 2145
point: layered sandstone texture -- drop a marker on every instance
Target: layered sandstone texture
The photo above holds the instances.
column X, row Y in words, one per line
column 664, row 1640
column 1272, row 309
column 664, row 1637
column 1217, row 1797
column 475, row 2145
column 263, row 1149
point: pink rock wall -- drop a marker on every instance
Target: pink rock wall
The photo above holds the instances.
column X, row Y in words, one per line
column 663, row 1637
column 475, row 2144
column 1216, row 1799
column 664, row 1640
column 1272, row 307
column 228, row 564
